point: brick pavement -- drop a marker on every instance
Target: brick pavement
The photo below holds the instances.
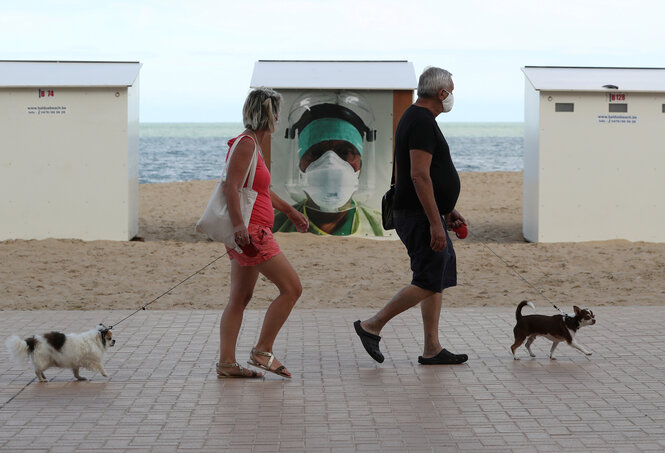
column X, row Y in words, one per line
column 162, row 393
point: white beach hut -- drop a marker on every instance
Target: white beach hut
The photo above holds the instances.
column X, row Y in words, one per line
column 69, row 150
column 594, row 154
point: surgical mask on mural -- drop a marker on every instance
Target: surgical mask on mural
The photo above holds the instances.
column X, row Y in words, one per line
column 330, row 181
column 448, row 102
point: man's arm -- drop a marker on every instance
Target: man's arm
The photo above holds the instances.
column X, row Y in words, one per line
column 420, row 166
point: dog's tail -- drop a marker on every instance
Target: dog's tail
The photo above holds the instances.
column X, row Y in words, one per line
column 518, row 312
column 20, row 350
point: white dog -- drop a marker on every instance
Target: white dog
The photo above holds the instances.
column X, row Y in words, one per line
column 74, row 350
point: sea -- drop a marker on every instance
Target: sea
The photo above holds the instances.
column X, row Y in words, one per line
column 172, row 152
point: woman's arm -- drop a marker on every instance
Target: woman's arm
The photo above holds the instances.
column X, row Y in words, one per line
column 298, row 219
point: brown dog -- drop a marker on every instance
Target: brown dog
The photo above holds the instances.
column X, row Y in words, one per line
column 557, row 328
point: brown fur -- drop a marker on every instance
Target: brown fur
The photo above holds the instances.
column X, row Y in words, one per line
column 557, row 328
column 55, row 339
column 32, row 343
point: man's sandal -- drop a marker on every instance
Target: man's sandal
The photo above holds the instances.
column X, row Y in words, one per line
column 224, row 368
column 280, row 370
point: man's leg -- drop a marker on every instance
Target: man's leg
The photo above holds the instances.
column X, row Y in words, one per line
column 430, row 308
column 413, row 230
column 433, row 352
column 406, row 298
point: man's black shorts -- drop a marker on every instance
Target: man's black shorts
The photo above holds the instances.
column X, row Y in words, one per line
column 434, row 271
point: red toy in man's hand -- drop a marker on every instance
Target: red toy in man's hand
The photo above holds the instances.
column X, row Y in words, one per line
column 461, row 231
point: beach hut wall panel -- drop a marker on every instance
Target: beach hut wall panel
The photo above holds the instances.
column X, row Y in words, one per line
column 378, row 91
column 69, row 160
column 386, row 75
column 594, row 154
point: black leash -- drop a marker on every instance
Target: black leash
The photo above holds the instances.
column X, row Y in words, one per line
column 17, row 393
column 520, row 276
column 168, row 291
column 2, row 406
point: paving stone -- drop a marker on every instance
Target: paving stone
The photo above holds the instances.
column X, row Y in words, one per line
column 162, row 393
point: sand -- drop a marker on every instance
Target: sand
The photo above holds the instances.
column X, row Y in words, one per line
column 335, row 271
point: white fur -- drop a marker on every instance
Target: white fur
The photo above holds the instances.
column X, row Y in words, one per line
column 80, row 350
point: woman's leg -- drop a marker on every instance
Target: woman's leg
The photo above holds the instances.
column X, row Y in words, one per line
column 279, row 271
column 243, row 280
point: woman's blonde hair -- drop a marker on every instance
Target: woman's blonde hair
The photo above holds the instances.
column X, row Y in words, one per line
column 261, row 109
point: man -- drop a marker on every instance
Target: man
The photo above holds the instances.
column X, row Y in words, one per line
column 426, row 191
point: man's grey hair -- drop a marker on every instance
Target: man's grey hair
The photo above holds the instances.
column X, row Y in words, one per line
column 261, row 109
column 432, row 80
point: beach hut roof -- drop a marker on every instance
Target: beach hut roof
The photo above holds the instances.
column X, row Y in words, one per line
column 552, row 78
column 18, row 74
column 355, row 75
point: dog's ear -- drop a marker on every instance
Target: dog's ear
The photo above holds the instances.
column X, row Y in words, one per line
column 576, row 308
column 104, row 336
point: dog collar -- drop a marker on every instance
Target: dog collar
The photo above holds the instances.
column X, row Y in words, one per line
column 566, row 317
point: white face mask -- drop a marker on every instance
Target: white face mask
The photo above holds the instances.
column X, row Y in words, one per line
column 448, row 102
column 330, row 181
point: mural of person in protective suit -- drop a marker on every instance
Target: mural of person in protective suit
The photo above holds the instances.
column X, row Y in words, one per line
column 334, row 146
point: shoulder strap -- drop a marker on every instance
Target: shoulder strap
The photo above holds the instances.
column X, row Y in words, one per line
column 392, row 180
column 251, row 170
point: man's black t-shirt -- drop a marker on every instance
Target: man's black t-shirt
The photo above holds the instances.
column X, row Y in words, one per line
column 417, row 129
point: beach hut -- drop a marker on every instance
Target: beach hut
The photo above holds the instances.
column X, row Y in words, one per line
column 594, row 154
column 342, row 103
column 69, row 150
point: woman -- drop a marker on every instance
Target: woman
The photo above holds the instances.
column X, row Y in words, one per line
column 260, row 117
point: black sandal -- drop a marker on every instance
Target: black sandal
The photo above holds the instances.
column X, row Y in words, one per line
column 445, row 357
column 370, row 342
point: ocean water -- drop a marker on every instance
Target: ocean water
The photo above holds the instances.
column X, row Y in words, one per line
column 170, row 152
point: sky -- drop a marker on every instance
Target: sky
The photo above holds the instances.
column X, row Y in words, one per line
column 198, row 55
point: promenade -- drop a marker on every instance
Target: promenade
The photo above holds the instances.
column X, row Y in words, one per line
column 162, row 393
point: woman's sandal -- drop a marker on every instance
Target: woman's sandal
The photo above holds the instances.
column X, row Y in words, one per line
column 280, row 370
column 222, row 374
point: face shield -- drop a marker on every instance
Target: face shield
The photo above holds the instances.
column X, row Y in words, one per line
column 331, row 150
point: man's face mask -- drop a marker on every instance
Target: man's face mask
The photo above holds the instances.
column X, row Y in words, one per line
column 448, row 102
column 330, row 181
